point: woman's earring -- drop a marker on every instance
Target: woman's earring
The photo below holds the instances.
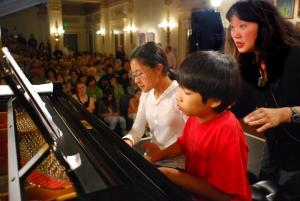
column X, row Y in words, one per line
column 261, row 82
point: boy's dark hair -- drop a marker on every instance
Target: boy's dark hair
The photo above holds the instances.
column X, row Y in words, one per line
column 151, row 54
column 213, row 75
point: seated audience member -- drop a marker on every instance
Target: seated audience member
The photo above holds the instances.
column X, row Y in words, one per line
column 117, row 89
column 58, row 54
column 50, row 75
column 108, row 110
column 60, row 78
column 171, row 57
column 73, row 79
column 134, row 104
column 38, row 75
column 131, row 87
column 32, row 42
column 117, row 67
column 120, row 53
column 92, row 71
column 110, row 70
column 82, row 97
column 67, row 88
column 82, row 78
column 125, row 79
column 92, row 89
column 103, row 83
column 213, row 142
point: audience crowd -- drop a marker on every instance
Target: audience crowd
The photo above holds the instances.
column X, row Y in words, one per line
column 101, row 83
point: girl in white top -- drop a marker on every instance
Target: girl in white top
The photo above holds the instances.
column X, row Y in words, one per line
column 157, row 105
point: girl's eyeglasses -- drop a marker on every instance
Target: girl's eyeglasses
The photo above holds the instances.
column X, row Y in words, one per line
column 137, row 75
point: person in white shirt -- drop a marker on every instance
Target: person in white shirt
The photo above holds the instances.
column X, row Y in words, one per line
column 157, row 105
column 171, row 57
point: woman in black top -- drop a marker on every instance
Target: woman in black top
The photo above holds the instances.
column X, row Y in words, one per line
column 267, row 48
column 108, row 110
column 82, row 97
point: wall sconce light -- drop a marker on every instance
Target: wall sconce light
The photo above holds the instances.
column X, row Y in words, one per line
column 101, row 32
column 116, row 32
column 130, row 29
column 167, row 25
column 57, row 32
column 215, row 3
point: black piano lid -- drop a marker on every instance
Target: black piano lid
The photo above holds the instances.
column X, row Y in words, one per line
column 110, row 169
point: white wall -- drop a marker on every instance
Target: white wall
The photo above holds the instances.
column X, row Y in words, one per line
column 77, row 25
column 147, row 14
column 227, row 3
column 27, row 21
column 296, row 18
column 12, row 6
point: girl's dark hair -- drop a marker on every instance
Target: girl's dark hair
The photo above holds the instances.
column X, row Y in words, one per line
column 212, row 75
column 151, row 54
column 274, row 32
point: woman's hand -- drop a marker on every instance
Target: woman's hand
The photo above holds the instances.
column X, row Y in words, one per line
column 266, row 118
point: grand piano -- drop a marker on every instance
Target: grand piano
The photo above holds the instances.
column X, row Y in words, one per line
column 55, row 144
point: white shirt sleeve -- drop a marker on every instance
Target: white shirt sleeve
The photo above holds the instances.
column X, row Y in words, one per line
column 138, row 128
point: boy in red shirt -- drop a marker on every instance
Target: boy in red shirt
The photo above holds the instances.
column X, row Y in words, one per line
column 212, row 141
